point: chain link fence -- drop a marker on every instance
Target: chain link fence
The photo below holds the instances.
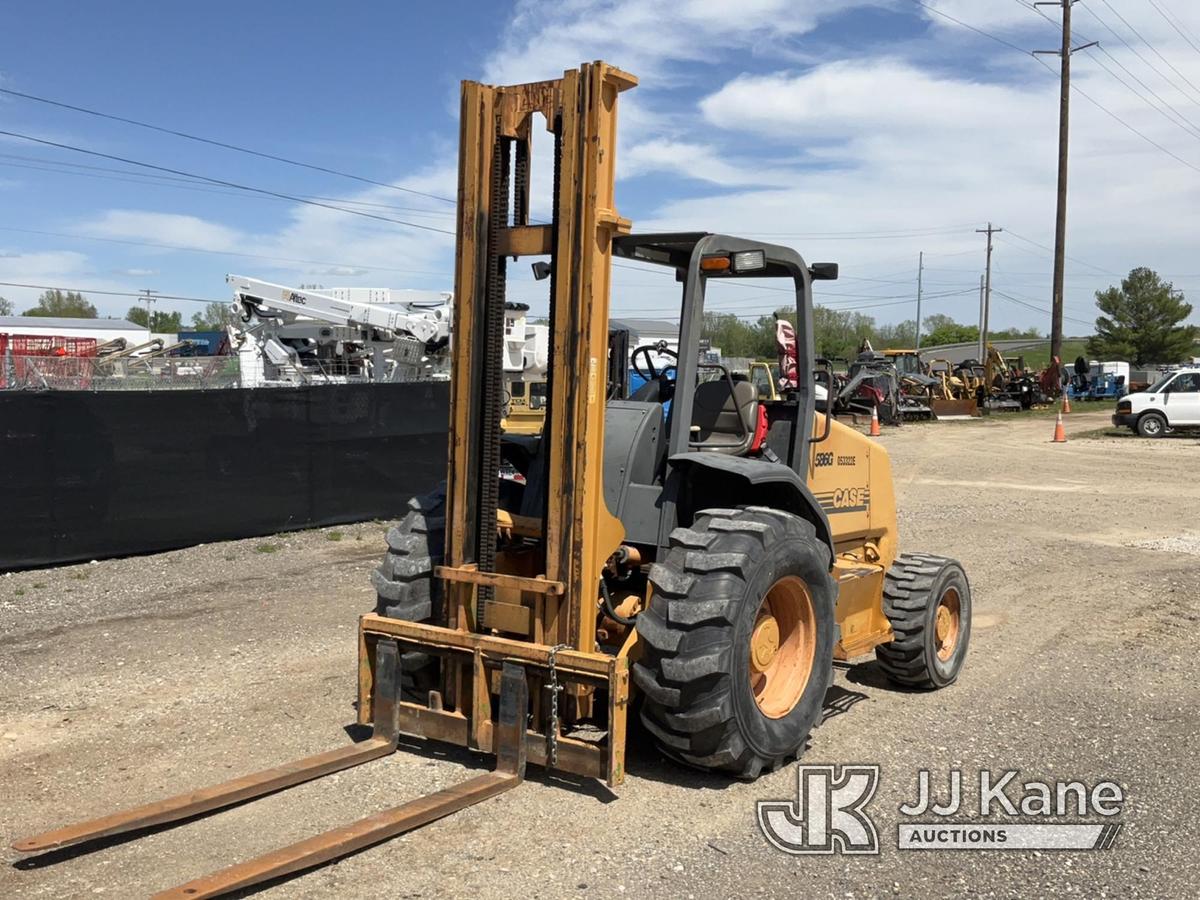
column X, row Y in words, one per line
column 99, row 373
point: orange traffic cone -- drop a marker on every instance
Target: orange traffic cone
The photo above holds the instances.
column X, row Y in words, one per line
column 1066, row 404
column 1060, row 433
column 874, row 421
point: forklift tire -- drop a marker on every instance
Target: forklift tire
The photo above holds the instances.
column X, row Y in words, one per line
column 928, row 601
column 1152, row 425
column 406, row 588
column 737, row 640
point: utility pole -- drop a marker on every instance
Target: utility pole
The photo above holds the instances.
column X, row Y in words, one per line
column 920, row 271
column 987, row 291
column 980, row 356
column 149, row 298
column 1060, row 221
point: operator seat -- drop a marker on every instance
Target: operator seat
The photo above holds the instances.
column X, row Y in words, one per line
column 723, row 421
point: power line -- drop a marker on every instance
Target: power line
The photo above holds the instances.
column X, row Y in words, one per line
column 186, row 249
column 140, row 294
column 1151, row 46
column 187, row 184
column 1037, row 308
column 1112, row 115
column 1179, row 118
column 1073, row 259
column 862, row 235
column 223, row 183
column 1074, row 87
column 1177, row 24
column 979, row 31
column 1134, row 50
column 222, row 144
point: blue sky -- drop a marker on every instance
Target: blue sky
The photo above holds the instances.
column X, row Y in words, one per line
column 861, row 131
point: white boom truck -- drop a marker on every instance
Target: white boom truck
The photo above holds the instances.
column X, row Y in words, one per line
column 295, row 335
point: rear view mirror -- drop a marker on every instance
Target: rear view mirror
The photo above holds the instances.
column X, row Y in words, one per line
column 823, row 271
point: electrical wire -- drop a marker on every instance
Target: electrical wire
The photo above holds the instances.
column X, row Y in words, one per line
column 1074, row 86
column 184, row 184
column 223, row 182
column 1050, row 251
column 1176, row 23
column 76, row 290
column 1037, row 308
column 215, row 143
column 1147, row 43
column 185, row 249
column 979, row 31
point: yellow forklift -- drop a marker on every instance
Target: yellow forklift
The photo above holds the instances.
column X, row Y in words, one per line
column 694, row 547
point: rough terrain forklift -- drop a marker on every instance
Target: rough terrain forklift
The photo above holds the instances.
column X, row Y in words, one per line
column 724, row 549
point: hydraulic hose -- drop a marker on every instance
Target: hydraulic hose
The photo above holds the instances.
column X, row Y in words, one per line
column 606, row 604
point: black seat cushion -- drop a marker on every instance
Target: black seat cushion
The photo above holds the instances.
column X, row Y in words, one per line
column 724, row 421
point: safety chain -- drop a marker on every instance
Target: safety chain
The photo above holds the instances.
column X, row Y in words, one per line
column 555, row 689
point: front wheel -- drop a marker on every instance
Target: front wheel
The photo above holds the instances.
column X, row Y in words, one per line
column 1152, row 425
column 737, row 640
column 928, row 601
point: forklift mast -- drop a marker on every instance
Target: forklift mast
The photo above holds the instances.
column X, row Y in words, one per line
column 494, row 224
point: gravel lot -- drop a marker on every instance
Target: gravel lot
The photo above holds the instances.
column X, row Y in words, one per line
column 129, row 679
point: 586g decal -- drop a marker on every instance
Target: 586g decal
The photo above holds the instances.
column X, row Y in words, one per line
column 821, row 460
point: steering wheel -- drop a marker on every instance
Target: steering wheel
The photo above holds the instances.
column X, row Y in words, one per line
column 643, row 352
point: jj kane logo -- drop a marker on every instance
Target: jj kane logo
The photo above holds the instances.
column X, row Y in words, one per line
column 829, row 814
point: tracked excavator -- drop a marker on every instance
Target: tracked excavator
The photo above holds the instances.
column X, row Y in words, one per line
column 694, row 548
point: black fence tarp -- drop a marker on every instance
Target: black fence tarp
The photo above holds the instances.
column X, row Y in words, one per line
column 85, row 475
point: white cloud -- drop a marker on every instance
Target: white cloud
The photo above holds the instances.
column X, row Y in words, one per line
column 991, row 15
column 62, row 268
column 164, row 228
column 892, row 147
column 697, row 161
column 316, row 240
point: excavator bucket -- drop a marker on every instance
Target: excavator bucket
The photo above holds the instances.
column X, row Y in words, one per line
column 955, row 409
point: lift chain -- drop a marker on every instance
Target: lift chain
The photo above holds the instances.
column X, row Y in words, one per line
column 555, row 689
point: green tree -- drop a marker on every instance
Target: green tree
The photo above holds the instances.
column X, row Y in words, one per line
column 729, row 334
column 1006, row 334
column 942, row 329
column 1142, row 322
column 70, row 304
column 838, row 333
column 897, row 336
column 215, row 316
column 160, row 323
column 6, row 307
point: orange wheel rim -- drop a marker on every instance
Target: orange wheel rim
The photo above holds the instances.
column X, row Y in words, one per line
column 947, row 624
column 783, row 645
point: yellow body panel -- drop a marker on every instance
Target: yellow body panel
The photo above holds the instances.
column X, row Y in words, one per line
column 851, row 477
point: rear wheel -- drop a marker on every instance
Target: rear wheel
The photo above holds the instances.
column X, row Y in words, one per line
column 1152, row 425
column 928, row 601
column 738, row 640
column 405, row 586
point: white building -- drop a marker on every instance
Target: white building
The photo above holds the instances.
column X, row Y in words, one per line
column 101, row 329
column 650, row 331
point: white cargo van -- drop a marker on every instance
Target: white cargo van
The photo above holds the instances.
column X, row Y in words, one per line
column 1171, row 402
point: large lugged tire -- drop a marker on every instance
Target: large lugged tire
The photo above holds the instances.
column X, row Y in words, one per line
column 718, row 693
column 405, row 586
column 928, row 601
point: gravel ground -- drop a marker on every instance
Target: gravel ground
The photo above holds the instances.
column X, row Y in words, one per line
column 128, row 679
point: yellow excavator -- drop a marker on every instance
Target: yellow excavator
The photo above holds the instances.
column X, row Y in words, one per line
column 697, row 547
